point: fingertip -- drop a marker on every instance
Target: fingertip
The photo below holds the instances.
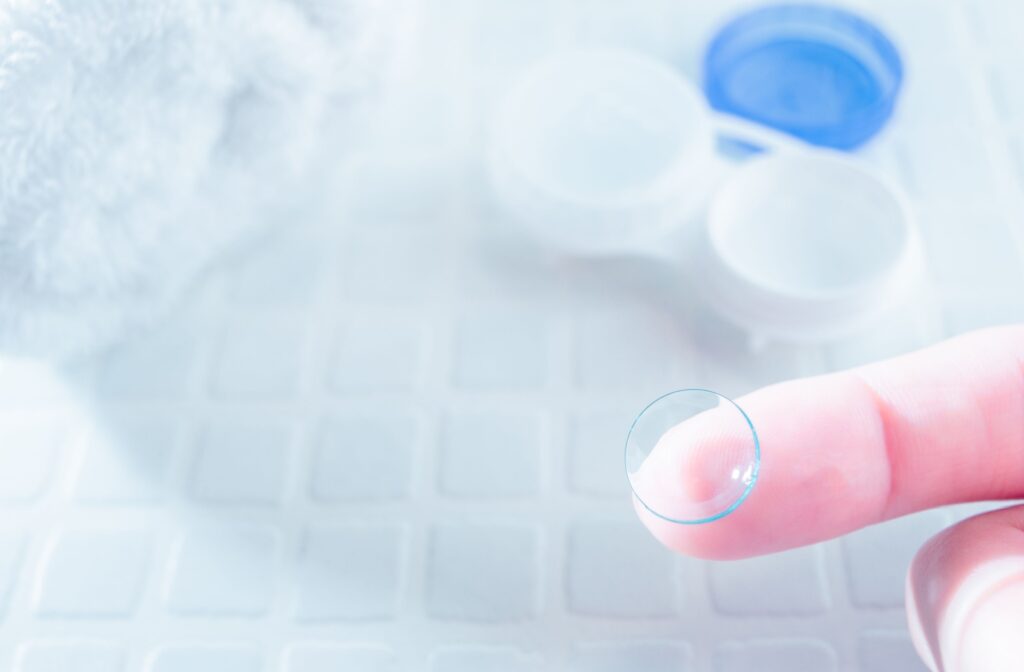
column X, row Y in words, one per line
column 850, row 449
column 817, row 476
column 721, row 540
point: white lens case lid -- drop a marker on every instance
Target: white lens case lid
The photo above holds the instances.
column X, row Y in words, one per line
column 598, row 151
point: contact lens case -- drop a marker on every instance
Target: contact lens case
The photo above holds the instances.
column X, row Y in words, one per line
column 600, row 152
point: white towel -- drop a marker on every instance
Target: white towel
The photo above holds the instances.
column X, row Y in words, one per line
column 138, row 138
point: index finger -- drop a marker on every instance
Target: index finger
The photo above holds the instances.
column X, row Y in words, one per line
column 845, row 450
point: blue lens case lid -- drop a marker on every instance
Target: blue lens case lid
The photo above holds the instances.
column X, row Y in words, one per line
column 822, row 74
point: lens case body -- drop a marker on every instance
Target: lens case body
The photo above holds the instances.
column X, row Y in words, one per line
column 806, row 247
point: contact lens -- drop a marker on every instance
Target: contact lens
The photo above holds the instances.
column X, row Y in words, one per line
column 692, row 456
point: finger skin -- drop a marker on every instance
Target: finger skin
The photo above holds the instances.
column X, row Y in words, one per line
column 965, row 595
column 941, row 425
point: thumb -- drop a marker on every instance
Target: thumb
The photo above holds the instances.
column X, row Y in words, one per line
column 965, row 595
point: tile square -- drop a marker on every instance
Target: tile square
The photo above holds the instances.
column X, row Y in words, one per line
column 127, row 462
column 504, row 267
column 926, row 99
column 241, row 463
column 627, row 348
column 776, row 655
column 206, row 658
column 350, row 573
column 380, row 267
column 783, row 584
column 632, row 656
column 34, row 385
column 971, row 250
column 490, row 454
column 498, row 32
column 500, row 349
column 364, row 456
column 665, row 30
column 958, row 169
column 877, row 557
column 224, row 571
column 380, row 354
column 1008, row 93
column 596, row 444
column 998, row 21
column 423, row 116
column 284, row 271
column 490, row 658
column 316, row 657
column 1017, row 157
column 69, row 655
column 157, row 365
column 259, row 356
column 615, row 569
column 483, row 573
column 12, row 554
column 405, row 189
column 29, row 450
column 933, row 31
column 882, row 651
column 963, row 312
column 92, row 574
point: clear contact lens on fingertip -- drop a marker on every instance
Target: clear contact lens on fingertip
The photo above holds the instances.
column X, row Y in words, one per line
column 692, row 456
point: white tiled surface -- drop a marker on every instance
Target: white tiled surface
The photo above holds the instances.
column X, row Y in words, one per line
column 388, row 438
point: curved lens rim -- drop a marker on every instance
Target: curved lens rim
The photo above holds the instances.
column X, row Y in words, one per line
column 739, row 500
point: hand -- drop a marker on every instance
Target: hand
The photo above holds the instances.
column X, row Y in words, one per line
column 845, row 450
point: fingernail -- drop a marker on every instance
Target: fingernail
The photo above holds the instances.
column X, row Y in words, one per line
column 981, row 627
column 993, row 635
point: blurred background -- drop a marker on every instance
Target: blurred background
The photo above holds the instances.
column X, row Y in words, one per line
column 385, row 433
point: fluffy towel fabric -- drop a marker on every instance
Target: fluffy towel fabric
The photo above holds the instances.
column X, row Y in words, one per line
column 138, row 138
